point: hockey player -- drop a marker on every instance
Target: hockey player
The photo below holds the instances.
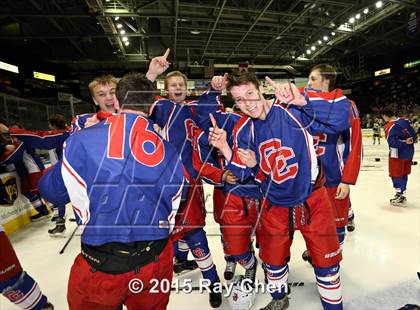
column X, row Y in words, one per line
column 401, row 137
column 15, row 283
column 51, row 140
column 102, row 91
column 29, row 168
column 240, row 208
column 126, row 189
column 340, row 153
column 274, row 142
column 209, row 165
column 176, row 117
column 376, row 131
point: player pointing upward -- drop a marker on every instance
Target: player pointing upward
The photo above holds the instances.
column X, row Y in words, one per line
column 126, row 188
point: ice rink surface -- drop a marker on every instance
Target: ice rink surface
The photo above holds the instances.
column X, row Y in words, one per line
column 379, row 269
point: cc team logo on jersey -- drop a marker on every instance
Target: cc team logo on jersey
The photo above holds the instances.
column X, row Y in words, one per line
column 319, row 150
column 190, row 126
column 274, row 158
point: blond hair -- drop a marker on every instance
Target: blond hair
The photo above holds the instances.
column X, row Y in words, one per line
column 102, row 80
column 172, row 74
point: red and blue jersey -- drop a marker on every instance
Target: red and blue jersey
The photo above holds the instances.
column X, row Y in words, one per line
column 286, row 158
column 396, row 133
column 23, row 159
column 178, row 122
column 207, row 159
column 211, row 168
column 210, row 104
column 123, row 179
column 340, row 153
column 78, row 123
column 287, row 165
column 44, row 140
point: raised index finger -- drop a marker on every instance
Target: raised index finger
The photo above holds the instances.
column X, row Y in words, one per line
column 225, row 76
column 271, row 82
column 166, row 53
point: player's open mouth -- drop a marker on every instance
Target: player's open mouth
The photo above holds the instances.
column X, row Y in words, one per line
column 178, row 94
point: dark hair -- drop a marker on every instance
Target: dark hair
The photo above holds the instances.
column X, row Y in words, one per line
column 16, row 124
column 3, row 139
column 328, row 72
column 241, row 78
column 58, row 121
column 135, row 91
column 388, row 111
column 4, row 122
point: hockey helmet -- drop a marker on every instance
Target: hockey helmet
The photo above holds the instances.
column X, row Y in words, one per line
column 242, row 296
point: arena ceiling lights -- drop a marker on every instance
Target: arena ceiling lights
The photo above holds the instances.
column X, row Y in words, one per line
column 382, row 72
column 112, row 17
column 120, row 24
column 9, row 67
column 357, row 22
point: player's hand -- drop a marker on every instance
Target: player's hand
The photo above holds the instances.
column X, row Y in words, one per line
column 409, row 140
column 247, row 157
column 287, row 92
column 3, row 128
column 219, row 82
column 217, row 136
column 160, row 131
column 157, row 129
column 343, row 191
column 10, row 147
column 117, row 106
column 229, row 177
column 91, row 121
column 157, row 66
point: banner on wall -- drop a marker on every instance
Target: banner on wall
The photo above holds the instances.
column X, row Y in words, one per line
column 15, row 209
column 8, row 190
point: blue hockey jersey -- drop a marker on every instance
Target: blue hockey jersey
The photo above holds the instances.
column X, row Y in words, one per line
column 52, row 140
column 207, row 156
column 78, row 123
column 207, row 162
column 287, row 165
column 123, row 179
column 177, row 122
column 396, row 132
column 339, row 153
column 23, row 159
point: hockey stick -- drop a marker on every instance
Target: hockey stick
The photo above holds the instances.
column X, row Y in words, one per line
column 68, row 240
